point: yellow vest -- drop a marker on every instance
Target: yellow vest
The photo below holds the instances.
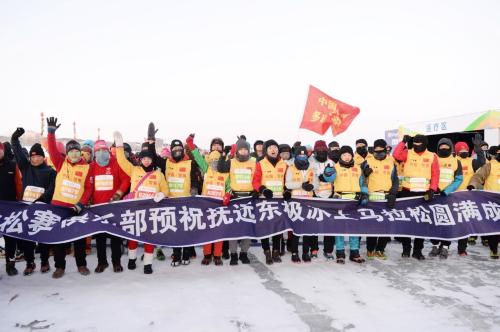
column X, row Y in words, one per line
column 358, row 159
column 380, row 180
column 347, row 180
column 447, row 169
column 148, row 187
column 273, row 177
column 178, row 176
column 493, row 180
column 467, row 171
column 400, row 166
column 70, row 183
column 241, row 174
column 417, row 171
column 301, row 176
column 214, row 183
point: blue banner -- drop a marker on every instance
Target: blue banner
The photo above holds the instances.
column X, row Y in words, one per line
column 198, row 220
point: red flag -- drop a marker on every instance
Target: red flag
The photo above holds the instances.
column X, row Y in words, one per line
column 323, row 111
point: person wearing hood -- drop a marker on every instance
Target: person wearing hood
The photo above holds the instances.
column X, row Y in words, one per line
column 8, row 153
column 285, row 152
column 88, row 150
column 486, row 150
column 334, row 151
column 241, row 169
column 269, row 182
column 488, row 176
column 38, row 186
column 298, row 179
column 323, row 169
column 361, row 151
column 383, row 183
column 11, row 189
column 421, row 176
column 73, row 189
column 110, row 185
column 145, row 182
column 215, row 184
column 258, row 150
column 183, row 179
column 349, row 183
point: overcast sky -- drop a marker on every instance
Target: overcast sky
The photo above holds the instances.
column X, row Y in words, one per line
column 222, row 68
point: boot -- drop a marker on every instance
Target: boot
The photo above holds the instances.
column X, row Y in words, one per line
column 295, row 258
column 206, row 260
column 436, row 251
column 131, row 264
column 148, row 269
column 117, row 268
column 406, row 252
column 45, row 267
column 269, row 257
column 58, row 273
column 30, row 268
column 354, row 256
column 101, row 267
column 314, row 254
column 186, row 256
column 380, row 255
column 160, row 255
column 225, row 253
column 443, row 254
column 370, row 255
column 218, row 260
column 234, row 259
column 340, row 257
column 328, row 255
column 276, row 256
column 176, row 260
column 10, row 267
column 244, row 258
column 418, row 255
column 306, row 257
column 83, row 270
column 283, row 247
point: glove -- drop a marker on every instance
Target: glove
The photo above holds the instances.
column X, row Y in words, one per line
column 391, row 201
column 469, row 188
column 18, row 133
column 118, row 139
column 287, row 195
column 158, row 197
column 226, row 199
column 429, row 195
column 477, row 140
column 329, row 171
column 243, row 137
column 367, row 171
column 307, row 186
column 116, row 196
column 266, row 192
column 190, row 142
column 406, row 138
column 255, row 194
column 227, row 150
column 151, row 131
column 363, row 199
column 77, row 209
column 52, row 125
column 233, row 151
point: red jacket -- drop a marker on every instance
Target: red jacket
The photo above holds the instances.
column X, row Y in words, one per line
column 121, row 181
column 401, row 154
column 58, row 160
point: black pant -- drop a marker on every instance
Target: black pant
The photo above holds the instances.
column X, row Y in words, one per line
column 116, row 248
column 328, row 244
column 462, row 244
column 79, row 252
column 11, row 245
column 29, row 251
column 441, row 243
column 376, row 243
column 306, row 244
column 418, row 243
column 276, row 242
column 493, row 243
column 183, row 252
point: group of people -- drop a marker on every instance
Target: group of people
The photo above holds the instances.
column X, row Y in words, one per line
column 94, row 173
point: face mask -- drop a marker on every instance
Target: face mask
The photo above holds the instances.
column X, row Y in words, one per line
column 444, row 153
column 74, row 156
column 334, row 155
column 498, row 157
column 419, row 148
column 301, row 162
column 102, row 157
column 346, row 165
column 464, row 155
column 177, row 155
column 379, row 155
column 241, row 158
column 362, row 151
column 321, row 156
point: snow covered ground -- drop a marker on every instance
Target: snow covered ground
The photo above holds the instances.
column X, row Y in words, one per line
column 459, row 294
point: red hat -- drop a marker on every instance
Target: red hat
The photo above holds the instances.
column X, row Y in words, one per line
column 461, row 146
column 320, row 146
column 100, row 145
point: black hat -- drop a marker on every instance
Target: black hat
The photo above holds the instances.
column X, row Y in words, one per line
column 146, row 153
column 258, row 142
column 269, row 143
column 333, row 144
column 381, row 143
column 346, row 149
column 217, row 140
column 73, row 145
column 300, row 150
column 284, row 148
column 420, row 139
column 127, row 147
column 36, row 150
column 175, row 143
column 361, row 140
column 144, row 146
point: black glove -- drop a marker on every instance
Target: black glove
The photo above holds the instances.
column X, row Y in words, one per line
column 469, row 188
column 255, row 194
column 287, row 195
column 429, row 195
column 227, row 149
column 18, row 133
column 266, row 192
column 406, row 138
column 52, row 125
column 77, row 209
column 243, row 137
column 391, row 201
column 307, row 186
column 152, row 131
column 477, row 140
column 367, row 171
